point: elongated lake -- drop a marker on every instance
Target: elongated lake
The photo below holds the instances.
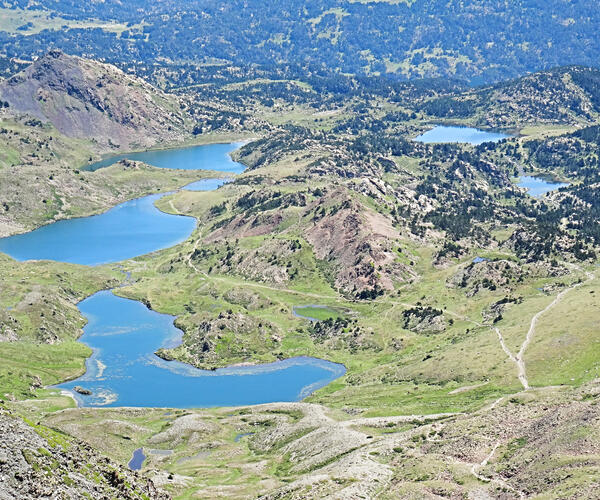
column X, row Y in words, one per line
column 130, row 229
column 123, row 370
column 442, row 134
column 207, row 157
column 124, row 334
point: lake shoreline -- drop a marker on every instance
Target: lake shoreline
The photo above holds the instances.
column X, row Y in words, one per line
column 463, row 134
column 288, row 380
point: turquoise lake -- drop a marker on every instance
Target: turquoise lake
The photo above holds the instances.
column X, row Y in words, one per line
column 206, row 184
column 442, row 134
column 132, row 228
column 128, row 230
column 123, row 370
column 207, row 157
column 125, row 334
column 536, row 186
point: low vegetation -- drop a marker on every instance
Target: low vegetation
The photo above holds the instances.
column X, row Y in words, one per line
column 462, row 307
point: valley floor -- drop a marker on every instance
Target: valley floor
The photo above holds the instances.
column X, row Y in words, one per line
column 465, row 311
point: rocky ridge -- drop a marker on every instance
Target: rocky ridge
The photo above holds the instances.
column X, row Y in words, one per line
column 37, row 462
column 90, row 100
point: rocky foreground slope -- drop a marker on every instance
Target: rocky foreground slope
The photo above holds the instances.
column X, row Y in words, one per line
column 541, row 443
column 36, row 462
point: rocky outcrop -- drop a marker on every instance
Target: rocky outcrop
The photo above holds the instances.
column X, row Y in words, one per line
column 489, row 275
column 357, row 243
column 89, row 100
column 424, row 320
column 235, row 337
column 37, row 463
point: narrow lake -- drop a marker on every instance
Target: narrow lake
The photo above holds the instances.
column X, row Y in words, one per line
column 206, row 157
column 128, row 230
column 536, row 186
column 132, row 228
column 442, row 134
column 124, row 371
column 206, row 184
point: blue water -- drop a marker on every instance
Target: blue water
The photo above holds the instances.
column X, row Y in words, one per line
column 137, row 460
column 207, row 157
column 124, row 334
column 537, row 186
column 239, row 437
column 442, row 134
column 130, row 229
column 124, row 371
column 206, row 184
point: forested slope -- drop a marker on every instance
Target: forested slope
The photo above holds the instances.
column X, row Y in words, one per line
column 480, row 41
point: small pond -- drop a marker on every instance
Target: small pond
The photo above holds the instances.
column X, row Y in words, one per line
column 316, row 312
column 137, row 460
column 537, row 187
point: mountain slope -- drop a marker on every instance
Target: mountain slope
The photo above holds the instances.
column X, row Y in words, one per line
column 480, row 40
column 62, row 112
column 91, row 100
column 567, row 95
column 37, row 462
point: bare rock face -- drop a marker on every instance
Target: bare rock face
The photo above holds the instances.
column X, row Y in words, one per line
column 90, row 100
column 39, row 463
column 359, row 244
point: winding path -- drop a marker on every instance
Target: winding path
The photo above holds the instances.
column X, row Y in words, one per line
column 518, row 358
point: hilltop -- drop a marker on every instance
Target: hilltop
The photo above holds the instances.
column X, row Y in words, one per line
column 567, row 95
column 85, row 99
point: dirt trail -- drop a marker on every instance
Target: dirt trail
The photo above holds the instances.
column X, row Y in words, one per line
column 501, row 483
column 518, row 358
column 175, row 211
column 189, row 257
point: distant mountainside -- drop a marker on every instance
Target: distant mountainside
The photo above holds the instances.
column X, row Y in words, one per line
column 567, row 96
column 85, row 99
column 482, row 41
column 562, row 95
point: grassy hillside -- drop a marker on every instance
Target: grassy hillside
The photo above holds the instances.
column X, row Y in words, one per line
column 63, row 112
column 463, row 308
